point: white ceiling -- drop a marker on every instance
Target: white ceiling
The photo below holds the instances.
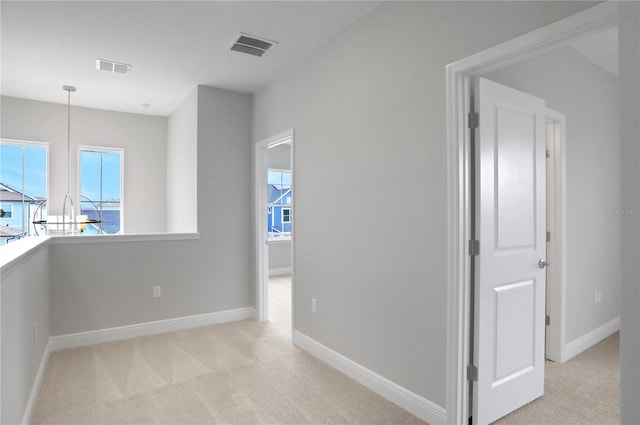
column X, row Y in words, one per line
column 172, row 45
column 176, row 45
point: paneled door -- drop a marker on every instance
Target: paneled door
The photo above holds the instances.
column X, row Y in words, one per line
column 509, row 305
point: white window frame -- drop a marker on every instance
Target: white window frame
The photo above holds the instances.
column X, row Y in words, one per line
column 102, row 149
column 276, row 239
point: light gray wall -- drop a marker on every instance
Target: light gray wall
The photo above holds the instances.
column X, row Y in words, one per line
column 25, row 300
column 370, row 118
column 629, row 39
column 224, row 180
column 588, row 95
column 103, row 285
column 279, row 255
column 182, row 172
column 143, row 137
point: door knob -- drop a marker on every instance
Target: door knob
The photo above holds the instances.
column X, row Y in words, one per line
column 542, row 263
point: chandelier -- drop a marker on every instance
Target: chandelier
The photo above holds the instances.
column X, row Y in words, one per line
column 65, row 220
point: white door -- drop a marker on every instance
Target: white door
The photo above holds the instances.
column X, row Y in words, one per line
column 509, row 309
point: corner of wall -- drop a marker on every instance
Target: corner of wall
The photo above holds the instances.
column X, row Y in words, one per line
column 629, row 43
column 182, row 183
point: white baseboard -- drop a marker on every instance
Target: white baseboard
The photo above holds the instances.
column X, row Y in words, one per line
column 281, row 270
column 149, row 328
column 37, row 383
column 577, row 346
column 413, row 403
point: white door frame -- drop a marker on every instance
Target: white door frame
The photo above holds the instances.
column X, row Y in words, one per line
column 458, row 180
column 260, row 205
column 557, row 224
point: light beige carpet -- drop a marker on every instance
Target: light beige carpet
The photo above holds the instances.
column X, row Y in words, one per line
column 238, row 373
column 585, row 390
column 250, row 373
column 280, row 303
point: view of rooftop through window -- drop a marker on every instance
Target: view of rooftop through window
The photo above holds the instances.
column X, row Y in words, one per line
column 279, row 203
column 23, row 185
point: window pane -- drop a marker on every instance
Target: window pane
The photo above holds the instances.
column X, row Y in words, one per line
column 7, row 211
column 100, row 183
column 23, row 179
column 90, row 175
column 35, row 176
column 279, row 201
column 11, row 166
column 35, row 184
column 286, row 215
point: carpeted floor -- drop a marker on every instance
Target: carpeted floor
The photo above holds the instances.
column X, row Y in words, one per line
column 280, row 303
column 585, row 390
column 238, row 373
column 250, row 373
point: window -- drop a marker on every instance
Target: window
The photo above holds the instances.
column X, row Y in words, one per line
column 6, row 211
column 101, row 188
column 23, row 185
column 286, row 215
column 279, row 203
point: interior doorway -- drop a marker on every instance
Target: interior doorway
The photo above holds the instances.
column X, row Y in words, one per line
column 556, row 236
column 460, row 207
column 274, row 222
column 280, row 303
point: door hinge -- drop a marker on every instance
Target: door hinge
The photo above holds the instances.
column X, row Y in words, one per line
column 548, row 236
column 474, row 120
column 548, row 153
column 474, row 247
column 472, row 373
column 547, row 320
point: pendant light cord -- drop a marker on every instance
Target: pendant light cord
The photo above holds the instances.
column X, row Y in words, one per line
column 69, row 142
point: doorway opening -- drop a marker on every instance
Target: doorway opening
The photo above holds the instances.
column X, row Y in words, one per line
column 556, row 236
column 459, row 76
column 275, row 225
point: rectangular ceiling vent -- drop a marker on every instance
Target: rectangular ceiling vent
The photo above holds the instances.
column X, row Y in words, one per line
column 111, row 66
column 251, row 45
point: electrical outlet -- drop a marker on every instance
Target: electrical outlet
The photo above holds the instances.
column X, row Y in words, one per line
column 157, row 293
column 597, row 297
column 35, row 332
column 314, row 305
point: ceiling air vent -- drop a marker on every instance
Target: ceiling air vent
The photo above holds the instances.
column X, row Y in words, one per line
column 251, row 45
column 111, row 66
